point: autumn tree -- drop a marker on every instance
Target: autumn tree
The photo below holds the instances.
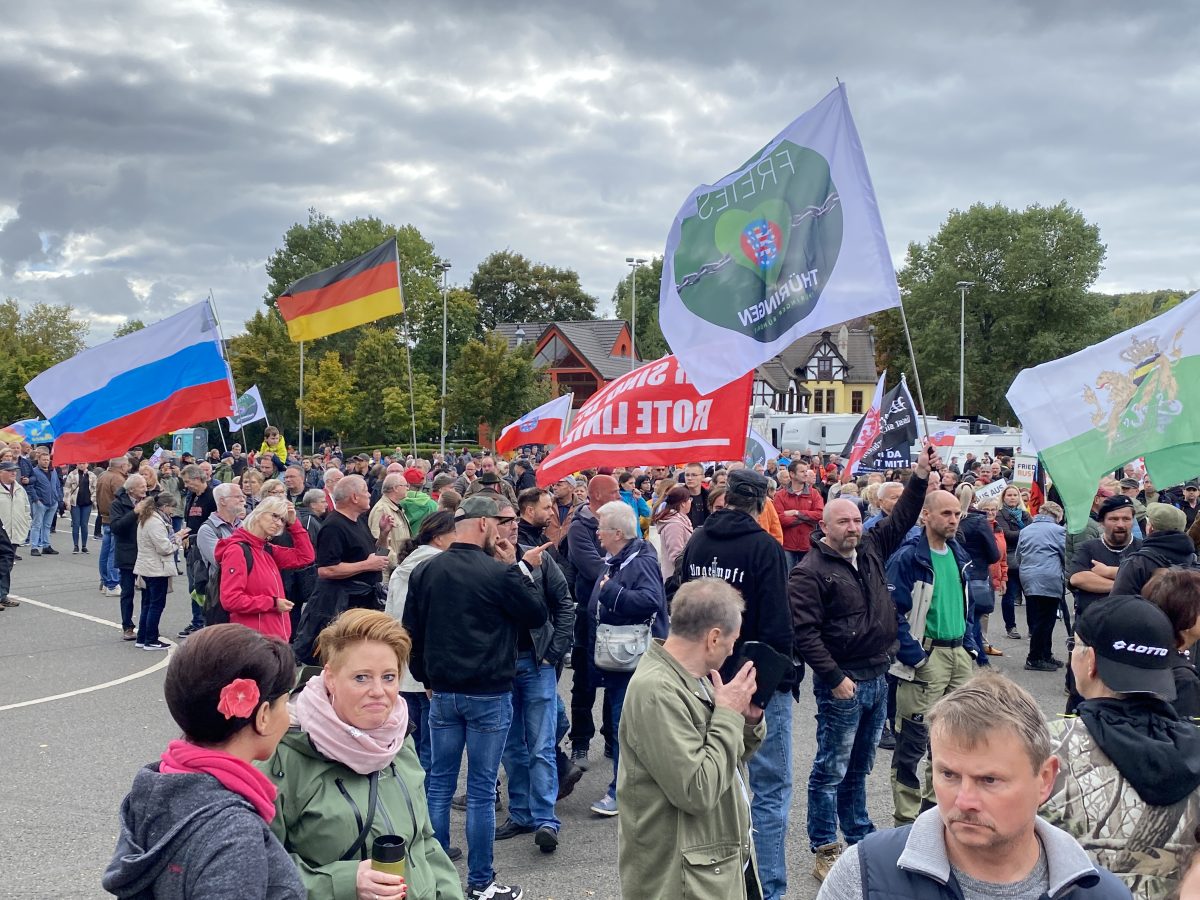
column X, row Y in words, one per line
column 1030, row 302
column 492, row 384
column 30, row 343
column 511, row 288
column 329, row 395
column 265, row 355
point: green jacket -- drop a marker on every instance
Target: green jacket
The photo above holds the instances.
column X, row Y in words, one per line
column 317, row 823
column 684, row 829
column 417, row 505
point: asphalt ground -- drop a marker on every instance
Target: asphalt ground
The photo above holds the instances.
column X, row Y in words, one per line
column 81, row 711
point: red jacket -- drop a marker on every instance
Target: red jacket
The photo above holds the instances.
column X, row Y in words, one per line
column 797, row 531
column 250, row 598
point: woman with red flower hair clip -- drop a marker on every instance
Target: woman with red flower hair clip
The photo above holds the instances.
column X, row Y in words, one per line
column 196, row 823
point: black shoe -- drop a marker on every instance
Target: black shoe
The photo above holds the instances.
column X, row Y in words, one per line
column 579, row 756
column 9, row 603
column 887, row 738
column 74, row 549
column 511, row 829
column 84, row 550
column 454, row 854
column 568, row 780
column 460, row 802
column 17, row 557
column 191, row 629
column 494, row 891
column 547, row 839
column 1040, row 665
column 49, row 551
column 34, row 552
column 1056, row 662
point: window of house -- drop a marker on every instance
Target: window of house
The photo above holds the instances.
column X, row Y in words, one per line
column 829, row 401
column 818, row 401
column 856, row 402
column 825, row 369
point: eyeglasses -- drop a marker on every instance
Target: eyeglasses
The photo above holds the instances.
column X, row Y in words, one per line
column 504, row 520
column 277, row 517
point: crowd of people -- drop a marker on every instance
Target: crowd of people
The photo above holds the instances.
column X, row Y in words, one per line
column 441, row 599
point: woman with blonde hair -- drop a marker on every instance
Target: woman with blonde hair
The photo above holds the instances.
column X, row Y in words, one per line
column 347, row 773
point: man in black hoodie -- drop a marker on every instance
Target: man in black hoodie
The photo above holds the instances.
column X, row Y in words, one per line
column 1129, row 784
column 732, row 546
column 1165, row 545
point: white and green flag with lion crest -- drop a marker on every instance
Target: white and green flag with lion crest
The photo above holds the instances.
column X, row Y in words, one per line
column 1135, row 394
column 789, row 243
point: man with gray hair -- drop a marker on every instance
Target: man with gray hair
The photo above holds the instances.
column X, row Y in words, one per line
column 1041, row 559
column 685, row 735
column 107, row 486
column 992, row 754
column 395, row 489
column 231, row 509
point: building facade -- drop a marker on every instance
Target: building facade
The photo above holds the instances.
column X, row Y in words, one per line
column 581, row 357
column 822, row 372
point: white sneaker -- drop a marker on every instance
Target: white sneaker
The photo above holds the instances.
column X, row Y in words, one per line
column 112, row 592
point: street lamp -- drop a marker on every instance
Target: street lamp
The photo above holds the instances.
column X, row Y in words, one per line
column 963, row 287
column 443, row 267
column 635, row 262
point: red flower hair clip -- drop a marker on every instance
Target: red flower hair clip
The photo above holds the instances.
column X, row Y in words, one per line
column 239, row 698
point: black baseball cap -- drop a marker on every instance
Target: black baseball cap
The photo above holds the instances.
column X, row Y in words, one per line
column 1113, row 503
column 1132, row 639
column 747, row 483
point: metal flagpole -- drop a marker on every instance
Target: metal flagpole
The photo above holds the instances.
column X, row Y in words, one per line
column 916, row 375
column 412, row 407
column 300, row 428
column 221, row 432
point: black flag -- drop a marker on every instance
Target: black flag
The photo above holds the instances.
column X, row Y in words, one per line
column 897, row 432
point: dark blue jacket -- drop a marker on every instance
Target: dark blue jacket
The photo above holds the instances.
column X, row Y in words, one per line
column 44, row 487
column 634, row 590
column 975, row 536
column 910, row 576
column 584, row 553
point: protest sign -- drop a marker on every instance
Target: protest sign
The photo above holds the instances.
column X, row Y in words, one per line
column 994, row 489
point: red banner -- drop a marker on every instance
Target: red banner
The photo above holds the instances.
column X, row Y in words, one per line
column 653, row 416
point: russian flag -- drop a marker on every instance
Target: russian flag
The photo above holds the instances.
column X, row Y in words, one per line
column 107, row 399
column 543, row 425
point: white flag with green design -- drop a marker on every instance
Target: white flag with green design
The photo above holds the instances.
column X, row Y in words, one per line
column 1135, row 394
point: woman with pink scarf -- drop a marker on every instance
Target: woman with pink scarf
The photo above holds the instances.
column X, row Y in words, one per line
column 195, row 824
column 348, row 772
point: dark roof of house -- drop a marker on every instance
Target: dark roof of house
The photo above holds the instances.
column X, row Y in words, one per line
column 860, row 357
column 593, row 338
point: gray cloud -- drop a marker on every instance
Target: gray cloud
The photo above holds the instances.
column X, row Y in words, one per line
column 149, row 158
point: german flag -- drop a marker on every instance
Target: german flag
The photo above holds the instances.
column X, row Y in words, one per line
column 352, row 293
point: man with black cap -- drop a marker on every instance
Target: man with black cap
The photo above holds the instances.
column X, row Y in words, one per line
column 1191, row 502
column 1165, row 545
column 732, row 546
column 1093, row 569
column 489, row 480
column 1129, row 784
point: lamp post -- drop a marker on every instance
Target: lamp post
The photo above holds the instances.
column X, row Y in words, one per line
column 963, row 287
column 443, row 267
column 635, row 262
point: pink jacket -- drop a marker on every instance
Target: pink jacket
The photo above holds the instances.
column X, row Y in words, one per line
column 250, row 598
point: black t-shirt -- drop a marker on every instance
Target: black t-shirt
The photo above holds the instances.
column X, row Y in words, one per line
column 197, row 509
column 342, row 540
column 1091, row 551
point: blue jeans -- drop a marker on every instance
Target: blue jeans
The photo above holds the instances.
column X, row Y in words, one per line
column 39, row 533
column 564, row 724
column 847, row 732
column 480, row 724
column 771, row 784
column 79, row 525
column 615, row 685
column 110, row 577
column 418, row 714
column 154, row 601
column 529, row 756
column 1008, row 603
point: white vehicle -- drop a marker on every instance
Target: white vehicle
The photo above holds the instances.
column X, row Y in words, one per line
column 827, row 433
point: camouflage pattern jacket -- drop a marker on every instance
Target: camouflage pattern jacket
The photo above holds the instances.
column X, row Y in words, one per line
column 1141, row 844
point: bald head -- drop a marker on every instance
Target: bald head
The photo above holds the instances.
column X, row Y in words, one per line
column 602, row 489
column 942, row 512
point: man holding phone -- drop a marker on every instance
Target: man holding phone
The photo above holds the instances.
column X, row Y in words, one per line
column 845, row 625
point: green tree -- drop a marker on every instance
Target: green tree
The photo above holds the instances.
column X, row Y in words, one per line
column 398, row 413
column 30, row 343
column 649, row 339
column 462, row 324
column 264, row 355
column 1133, row 309
column 329, row 400
column 1030, row 302
column 379, row 364
column 129, row 326
column 322, row 243
column 492, row 385
column 511, row 288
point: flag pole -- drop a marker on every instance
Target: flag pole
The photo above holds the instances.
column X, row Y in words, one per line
column 300, row 428
column 916, row 375
column 412, row 406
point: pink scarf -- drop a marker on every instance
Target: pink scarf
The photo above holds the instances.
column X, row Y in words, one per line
column 363, row 751
column 237, row 775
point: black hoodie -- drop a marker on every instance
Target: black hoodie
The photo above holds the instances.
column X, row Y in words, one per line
column 732, row 546
column 1156, row 751
column 1158, row 551
column 188, row 836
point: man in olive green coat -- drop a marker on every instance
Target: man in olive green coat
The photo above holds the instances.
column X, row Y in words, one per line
column 684, row 828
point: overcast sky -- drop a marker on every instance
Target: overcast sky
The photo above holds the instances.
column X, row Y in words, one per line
column 151, row 154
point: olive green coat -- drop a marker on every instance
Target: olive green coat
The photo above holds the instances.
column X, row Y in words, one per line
column 316, row 822
column 683, row 790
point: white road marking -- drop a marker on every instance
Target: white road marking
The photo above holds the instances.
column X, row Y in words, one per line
column 95, row 687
